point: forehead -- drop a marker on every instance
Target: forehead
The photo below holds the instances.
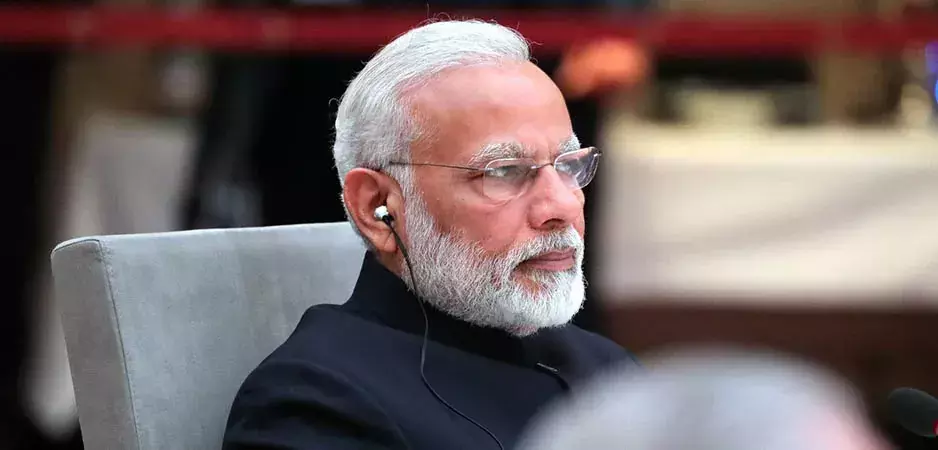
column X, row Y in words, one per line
column 509, row 109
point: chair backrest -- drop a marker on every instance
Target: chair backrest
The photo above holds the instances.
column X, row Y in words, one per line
column 162, row 329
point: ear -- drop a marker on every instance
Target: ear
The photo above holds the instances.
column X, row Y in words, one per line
column 364, row 191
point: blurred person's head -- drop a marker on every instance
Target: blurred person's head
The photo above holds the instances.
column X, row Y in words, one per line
column 445, row 126
column 601, row 67
column 709, row 400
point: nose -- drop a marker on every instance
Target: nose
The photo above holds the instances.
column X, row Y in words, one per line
column 554, row 204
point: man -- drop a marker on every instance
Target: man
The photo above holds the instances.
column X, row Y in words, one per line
column 716, row 399
column 468, row 148
column 253, row 165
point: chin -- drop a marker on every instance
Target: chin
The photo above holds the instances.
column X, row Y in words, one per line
column 546, row 306
column 528, row 330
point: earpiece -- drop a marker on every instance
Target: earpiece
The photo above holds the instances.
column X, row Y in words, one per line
column 382, row 214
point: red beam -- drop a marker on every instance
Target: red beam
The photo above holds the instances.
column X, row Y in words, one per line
column 367, row 30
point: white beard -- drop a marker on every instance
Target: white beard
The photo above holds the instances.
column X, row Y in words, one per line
column 455, row 276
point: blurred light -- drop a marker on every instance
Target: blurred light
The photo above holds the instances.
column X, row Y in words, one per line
column 931, row 57
column 931, row 64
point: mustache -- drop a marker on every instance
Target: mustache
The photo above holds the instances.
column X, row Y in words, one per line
column 555, row 241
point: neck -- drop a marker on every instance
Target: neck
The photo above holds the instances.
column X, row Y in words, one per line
column 394, row 262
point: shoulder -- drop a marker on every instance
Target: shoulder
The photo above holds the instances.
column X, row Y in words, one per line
column 334, row 337
column 334, row 341
column 300, row 393
column 304, row 359
column 321, row 354
column 287, row 404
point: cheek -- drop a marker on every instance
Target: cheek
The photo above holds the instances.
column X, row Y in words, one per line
column 502, row 230
column 495, row 228
column 580, row 223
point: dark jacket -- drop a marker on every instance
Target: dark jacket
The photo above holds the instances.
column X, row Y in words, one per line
column 348, row 377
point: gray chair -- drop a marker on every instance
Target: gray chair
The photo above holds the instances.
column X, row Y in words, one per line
column 161, row 329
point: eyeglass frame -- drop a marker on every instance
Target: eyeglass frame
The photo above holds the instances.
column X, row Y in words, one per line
column 535, row 168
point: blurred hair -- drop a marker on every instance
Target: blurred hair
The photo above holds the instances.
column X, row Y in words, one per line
column 705, row 400
column 374, row 124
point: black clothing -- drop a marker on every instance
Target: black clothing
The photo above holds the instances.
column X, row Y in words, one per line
column 349, row 377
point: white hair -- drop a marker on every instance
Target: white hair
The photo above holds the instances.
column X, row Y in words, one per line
column 374, row 124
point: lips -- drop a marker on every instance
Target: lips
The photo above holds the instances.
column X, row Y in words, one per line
column 558, row 260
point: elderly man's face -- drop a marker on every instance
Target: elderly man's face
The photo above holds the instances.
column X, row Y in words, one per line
column 504, row 261
column 514, row 107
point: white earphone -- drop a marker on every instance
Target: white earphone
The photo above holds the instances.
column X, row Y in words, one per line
column 381, row 213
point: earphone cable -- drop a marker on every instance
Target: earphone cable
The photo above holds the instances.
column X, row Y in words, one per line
column 426, row 334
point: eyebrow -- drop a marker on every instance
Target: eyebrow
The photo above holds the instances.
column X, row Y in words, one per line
column 498, row 150
column 505, row 150
column 571, row 144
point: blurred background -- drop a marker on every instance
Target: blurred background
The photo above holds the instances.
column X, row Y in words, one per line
column 770, row 168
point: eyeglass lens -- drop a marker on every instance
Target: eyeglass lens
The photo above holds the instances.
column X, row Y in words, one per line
column 505, row 179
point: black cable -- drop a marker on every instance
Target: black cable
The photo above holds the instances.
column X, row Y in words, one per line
column 426, row 333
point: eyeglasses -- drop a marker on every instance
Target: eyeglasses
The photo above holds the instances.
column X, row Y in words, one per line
column 508, row 178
